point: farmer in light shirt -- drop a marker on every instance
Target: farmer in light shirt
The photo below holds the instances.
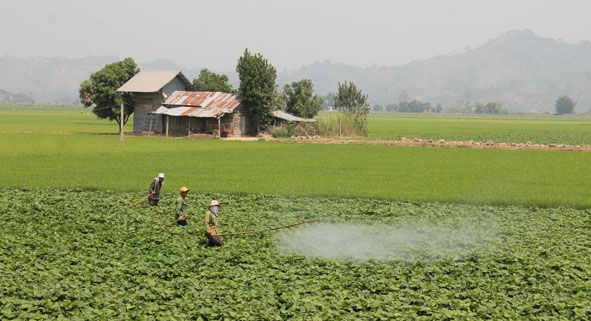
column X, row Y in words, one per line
column 211, row 224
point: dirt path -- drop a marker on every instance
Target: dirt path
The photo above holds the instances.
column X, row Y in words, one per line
column 424, row 143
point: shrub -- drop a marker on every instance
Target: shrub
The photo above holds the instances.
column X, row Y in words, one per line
column 280, row 132
column 341, row 124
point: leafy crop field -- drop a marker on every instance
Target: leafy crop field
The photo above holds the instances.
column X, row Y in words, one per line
column 81, row 255
column 405, row 233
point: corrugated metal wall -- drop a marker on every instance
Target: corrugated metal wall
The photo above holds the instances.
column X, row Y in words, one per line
column 181, row 126
column 239, row 122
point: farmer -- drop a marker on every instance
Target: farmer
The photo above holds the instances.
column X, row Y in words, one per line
column 181, row 205
column 157, row 183
column 211, row 224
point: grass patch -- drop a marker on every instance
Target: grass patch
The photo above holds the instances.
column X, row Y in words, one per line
column 501, row 177
column 65, row 148
column 573, row 130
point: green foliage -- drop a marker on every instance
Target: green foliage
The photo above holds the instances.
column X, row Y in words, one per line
column 305, row 129
column 565, row 105
column 413, row 106
column 337, row 126
column 257, row 87
column 211, row 81
column 14, row 98
column 489, row 108
column 353, row 103
column 351, row 100
column 289, row 130
column 67, row 254
column 403, row 97
column 328, row 101
column 300, row 99
column 100, row 91
column 280, row 132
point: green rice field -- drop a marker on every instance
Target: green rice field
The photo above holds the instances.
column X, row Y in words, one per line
column 539, row 129
column 70, row 148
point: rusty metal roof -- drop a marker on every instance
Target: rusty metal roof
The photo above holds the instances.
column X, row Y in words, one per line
column 150, row 81
column 290, row 117
column 205, row 104
column 188, row 111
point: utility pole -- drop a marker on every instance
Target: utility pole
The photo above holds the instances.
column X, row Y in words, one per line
column 121, row 126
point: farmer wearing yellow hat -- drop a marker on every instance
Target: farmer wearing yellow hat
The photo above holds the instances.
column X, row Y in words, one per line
column 211, row 224
column 181, row 205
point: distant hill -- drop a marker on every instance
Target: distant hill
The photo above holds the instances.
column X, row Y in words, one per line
column 519, row 69
column 523, row 71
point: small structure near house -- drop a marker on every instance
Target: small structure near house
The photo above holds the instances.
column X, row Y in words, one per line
column 205, row 112
column 151, row 88
column 281, row 117
column 288, row 124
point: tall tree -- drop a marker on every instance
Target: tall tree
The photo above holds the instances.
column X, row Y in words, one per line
column 328, row 101
column 257, row 87
column 403, row 97
column 403, row 101
column 565, row 105
column 350, row 99
column 100, row 91
column 211, row 81
column 493, row 107
column 354, row 104
column 300, row 99
column 468, row 101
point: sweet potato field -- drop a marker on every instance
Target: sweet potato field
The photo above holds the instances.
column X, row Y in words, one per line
column 74, row 254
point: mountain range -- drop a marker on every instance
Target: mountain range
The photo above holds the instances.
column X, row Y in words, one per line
column 523, row 71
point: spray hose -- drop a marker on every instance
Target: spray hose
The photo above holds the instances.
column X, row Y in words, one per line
column 269, row 229
column 263, row 230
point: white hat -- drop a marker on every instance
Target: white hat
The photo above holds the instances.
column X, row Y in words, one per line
column 161, row 175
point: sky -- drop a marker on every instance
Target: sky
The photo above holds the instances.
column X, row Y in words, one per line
column 289, row 34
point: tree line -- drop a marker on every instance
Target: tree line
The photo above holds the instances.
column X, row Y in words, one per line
column 261, row 95
column 13, row 98
column 563, row 105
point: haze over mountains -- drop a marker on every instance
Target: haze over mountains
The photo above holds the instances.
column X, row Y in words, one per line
column 520, row 69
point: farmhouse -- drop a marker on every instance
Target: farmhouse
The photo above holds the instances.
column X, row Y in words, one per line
column 151, row 88
column 205, row 112
column 166, row 102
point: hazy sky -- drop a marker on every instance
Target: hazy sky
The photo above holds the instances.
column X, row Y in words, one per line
column 214, row 34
